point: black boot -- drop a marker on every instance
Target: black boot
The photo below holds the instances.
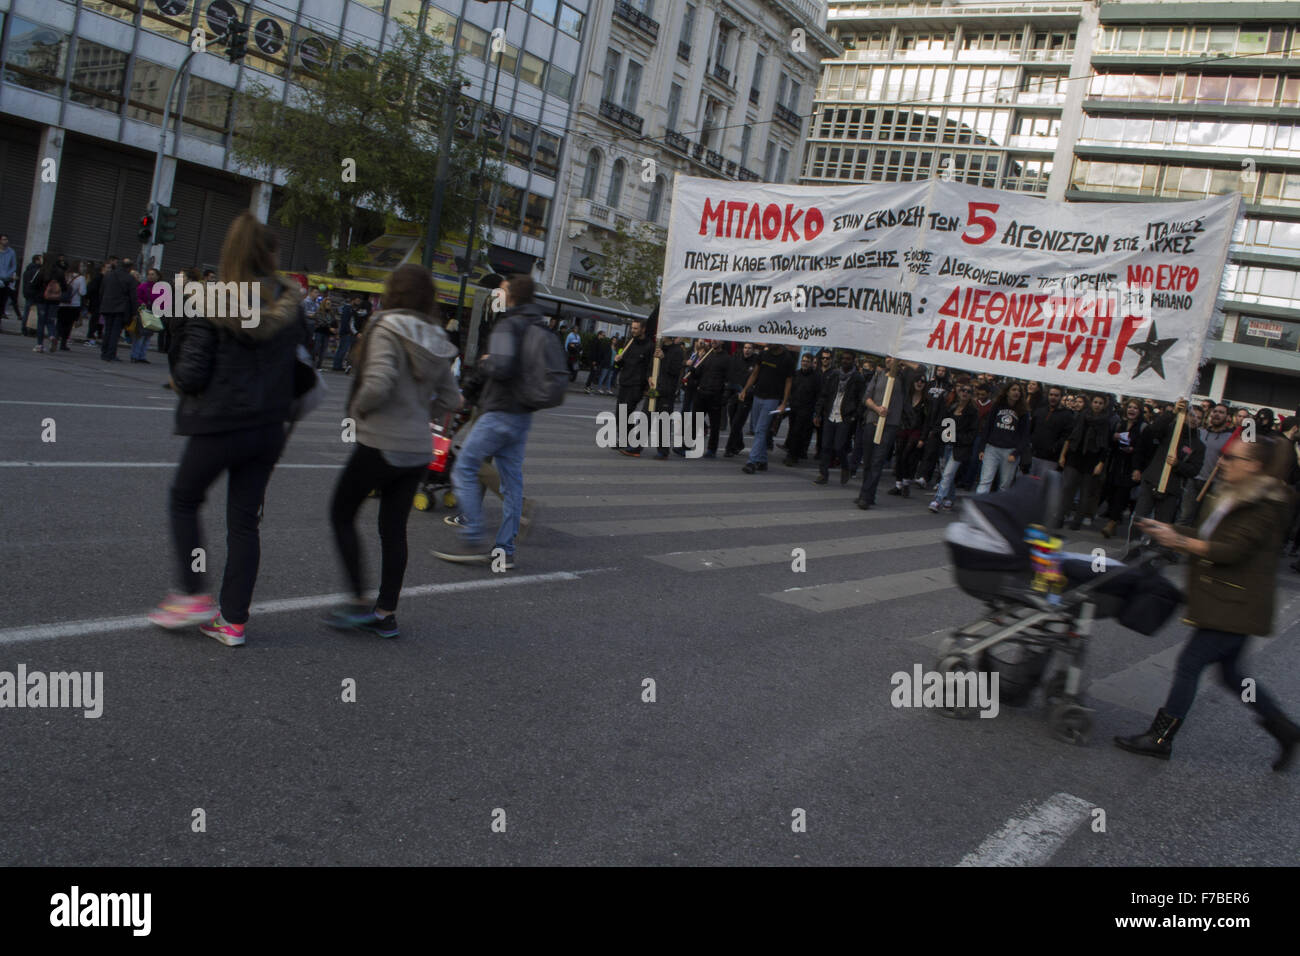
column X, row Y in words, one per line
column 1287, row 735
column 1158, row 741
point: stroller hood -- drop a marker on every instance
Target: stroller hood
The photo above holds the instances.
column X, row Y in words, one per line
column 990, row 535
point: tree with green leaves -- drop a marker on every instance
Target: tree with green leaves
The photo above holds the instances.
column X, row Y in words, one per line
column 358, row 142
column 633, row 265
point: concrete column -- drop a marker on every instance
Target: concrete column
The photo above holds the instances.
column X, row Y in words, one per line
column 1072, row 111
column 40, row 214
column 260, row 201
column 1218, row 381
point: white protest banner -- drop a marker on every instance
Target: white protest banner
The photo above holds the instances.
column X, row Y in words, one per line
column 1108, row 296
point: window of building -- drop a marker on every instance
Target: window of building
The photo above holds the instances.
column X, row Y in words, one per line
column 570, row 21
column 207, row 110
column 36, row 56
column 508, row 58
column 632, row 86
column 613, row 61
column 688, row 32
column 519, row 145
column 268, row 45
column 656, row 200
column 559, row 82
column 769, row 160
column 615, row 194
column 756, row 84
column 535, row 212
column 532, row 69
column 591, row 174
column 473, row 40
column 1247, row 386
column 149, row 85
column 746, row 135
column 782, row 162
column 548, row 154
column 546, row 9
column 120, row 9
column 674, row 104
column 441, row 24
column 509, row 200
column 98, row 76
column 1268, row 334
column 170, row 18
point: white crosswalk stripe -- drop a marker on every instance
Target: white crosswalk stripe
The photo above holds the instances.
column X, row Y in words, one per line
column 717, row 559
column 873, row 590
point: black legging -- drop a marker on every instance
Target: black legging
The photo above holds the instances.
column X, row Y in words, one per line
column 367, row 470
column 67, row 319
column 710, row 405
column 249, row 455
column 1208, row 647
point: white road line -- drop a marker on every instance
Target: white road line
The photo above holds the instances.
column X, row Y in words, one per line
column 107, row 625
column 648, row 499
column 139, row 408
column 1032, row 839
column 720, row 558
column 885, row 587
column 128, row 464
column 635, row 526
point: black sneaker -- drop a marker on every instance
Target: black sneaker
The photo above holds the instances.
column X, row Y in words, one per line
column 762, row 466
column 895, row 491
column 380, row 626
column 844, row 476
column 820, row 480
column 907, row 491
column 463, row 553
column 749, row 468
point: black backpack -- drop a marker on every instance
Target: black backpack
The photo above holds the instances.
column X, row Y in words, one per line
column 543, row 378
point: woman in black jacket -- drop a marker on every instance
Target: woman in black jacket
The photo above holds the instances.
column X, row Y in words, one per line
column 1124, row 439
column 1083, row 460
column 955, row 429
column 911, row 438
column 237, row 389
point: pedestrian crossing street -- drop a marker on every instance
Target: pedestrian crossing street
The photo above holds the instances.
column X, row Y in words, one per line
column 686, row 517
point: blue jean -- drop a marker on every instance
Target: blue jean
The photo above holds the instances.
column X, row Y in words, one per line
column 140, row 346
column 47, row 317
column 996, row 462
column 606, row 378
column 502, row 436
column 341, row 353
column 948, row 468
column 761, row 415
column 1208, row 647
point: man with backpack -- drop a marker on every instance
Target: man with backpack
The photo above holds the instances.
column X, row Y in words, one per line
column 525, row 370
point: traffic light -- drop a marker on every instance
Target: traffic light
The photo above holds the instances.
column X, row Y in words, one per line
column 236, row 40
column 167, row 216
column 146, row 228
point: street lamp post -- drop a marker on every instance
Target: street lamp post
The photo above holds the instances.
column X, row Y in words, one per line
column 161, row 157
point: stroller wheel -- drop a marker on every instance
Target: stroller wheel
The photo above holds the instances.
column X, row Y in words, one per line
column 1054, row 688
column 423, row 502
column 449, row 499
column 1070, row 722
column 956, row 664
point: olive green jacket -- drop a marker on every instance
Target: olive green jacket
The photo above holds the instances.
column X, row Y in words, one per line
column 1233, row 588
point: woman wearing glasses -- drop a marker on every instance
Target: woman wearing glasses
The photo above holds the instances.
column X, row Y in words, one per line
column 1231, row 589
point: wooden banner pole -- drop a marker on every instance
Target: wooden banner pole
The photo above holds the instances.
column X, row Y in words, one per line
column 1171, row 450
column 889, row 394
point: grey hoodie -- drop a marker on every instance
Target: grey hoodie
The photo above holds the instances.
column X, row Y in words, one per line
column 405, row 366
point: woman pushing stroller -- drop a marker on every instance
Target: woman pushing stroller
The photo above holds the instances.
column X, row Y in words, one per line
column 1231, row 587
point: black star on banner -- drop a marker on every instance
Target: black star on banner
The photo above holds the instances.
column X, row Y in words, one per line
column 1152, row 352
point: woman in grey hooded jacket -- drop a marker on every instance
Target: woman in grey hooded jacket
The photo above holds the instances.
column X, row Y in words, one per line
column 403, row 380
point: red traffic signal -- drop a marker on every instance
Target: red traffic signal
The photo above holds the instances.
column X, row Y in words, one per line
column 146, row 228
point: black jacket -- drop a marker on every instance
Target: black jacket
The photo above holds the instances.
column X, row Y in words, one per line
column 1153, row 446
column 634, row 367
column 851, row 405
column 231, row 378
column 710, row 375
column 1048, row 431
column 502, row 365
column 913, row 417
column 805, row 389
column 602, row 353
column 670, row 369
column 118, row 293
column 738, row 369
column 31, row 290
column 967, row 428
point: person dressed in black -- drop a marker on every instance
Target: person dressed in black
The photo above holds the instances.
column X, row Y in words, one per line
column 738, row 406
column 1155, row 449
column 601, row 356
column 1083, row 458
column 236, row 389
column 710, row 378
column 804, row 393
column 1050, row 425
column 1124, row 438
column 633, row 364
column 769, row 383
column 891, row 409
column 671, row 357
column 838, row 408
column 938, row 395
column 911, row 438
column 118, row 302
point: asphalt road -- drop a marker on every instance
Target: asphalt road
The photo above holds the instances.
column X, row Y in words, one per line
column 523, row 692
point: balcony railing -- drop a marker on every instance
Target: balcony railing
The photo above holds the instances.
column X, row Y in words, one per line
column 684, row 51
column 787, row 116
column 713, row 160
column 677, row 141
column 625, row 118
column 722, row 73
column 731, row 168
column 590, row 209
column 747, row 175
column 638, row 19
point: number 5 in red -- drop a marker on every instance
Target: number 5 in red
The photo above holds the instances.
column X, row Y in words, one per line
column 973, row 218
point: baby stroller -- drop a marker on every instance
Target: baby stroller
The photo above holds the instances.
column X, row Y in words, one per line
column 436, row 483
column 1022, row 627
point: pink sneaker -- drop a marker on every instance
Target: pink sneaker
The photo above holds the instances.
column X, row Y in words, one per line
column 232, row 635
column 182, row 610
